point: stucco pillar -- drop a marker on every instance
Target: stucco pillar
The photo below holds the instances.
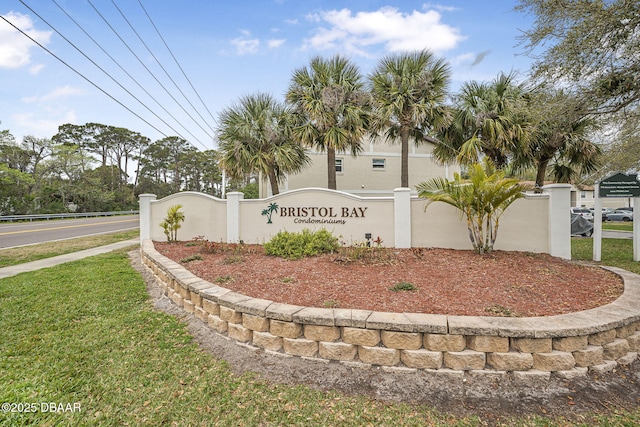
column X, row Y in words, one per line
column 559, row 219
column 402, row 217
column 144, row 200
column 233, row 216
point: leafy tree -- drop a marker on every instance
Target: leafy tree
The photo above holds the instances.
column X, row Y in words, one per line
column 409, row 92
column 482, row 199
column 487, row 121
column 332, row 107
column 256, row 137
column 15, row 194
column 593, row 44
column 559, row 137
column 621, row 153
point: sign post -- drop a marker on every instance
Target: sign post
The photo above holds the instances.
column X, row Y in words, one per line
column 617, row 185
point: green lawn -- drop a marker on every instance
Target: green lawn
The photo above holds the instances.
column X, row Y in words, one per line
column 30, row 253
column 85, row 334
column 618, row 225
column 615, row 252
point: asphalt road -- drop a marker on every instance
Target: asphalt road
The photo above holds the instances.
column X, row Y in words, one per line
column 27, row 233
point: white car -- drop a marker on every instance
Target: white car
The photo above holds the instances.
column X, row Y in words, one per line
column 583, row 212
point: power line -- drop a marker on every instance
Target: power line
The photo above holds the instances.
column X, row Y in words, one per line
column 163, row 69
column 125, row 71
column 177, row 63
column 145, row 67
column 81, row 75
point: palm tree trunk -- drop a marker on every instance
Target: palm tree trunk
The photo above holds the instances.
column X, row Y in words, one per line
column 273, row 180
column 404, row 165
column 540, row 174
column 331, row 168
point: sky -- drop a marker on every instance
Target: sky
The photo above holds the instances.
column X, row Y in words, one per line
column 164, row 68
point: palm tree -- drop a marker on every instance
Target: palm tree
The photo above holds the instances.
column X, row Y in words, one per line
column 482, row 199
column 332, row 108
column 255, row 137
column 488, row 121
column 409, row 91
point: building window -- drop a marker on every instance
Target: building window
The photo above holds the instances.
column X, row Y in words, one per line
column 583, row 194
column 338, row 165
column 377, row 164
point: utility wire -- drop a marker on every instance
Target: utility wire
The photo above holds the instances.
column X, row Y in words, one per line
column 81, row 75
column 95, row 64
column 144, row 65
column 177, row 63
column 123, row 69
column 162, row 67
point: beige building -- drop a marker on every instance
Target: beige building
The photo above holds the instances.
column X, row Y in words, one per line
column 374, row 172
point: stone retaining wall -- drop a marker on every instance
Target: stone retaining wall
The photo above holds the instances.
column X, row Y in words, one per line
column 568, row 345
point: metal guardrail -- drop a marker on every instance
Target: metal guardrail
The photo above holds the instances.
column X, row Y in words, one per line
column 39, row 217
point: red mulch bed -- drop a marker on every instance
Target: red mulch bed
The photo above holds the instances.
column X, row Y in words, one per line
column 454, row 282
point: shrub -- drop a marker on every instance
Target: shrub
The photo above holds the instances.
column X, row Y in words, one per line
column 172, row 222
column 297, row 245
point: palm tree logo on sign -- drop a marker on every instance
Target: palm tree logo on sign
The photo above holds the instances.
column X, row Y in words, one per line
column 269, row 211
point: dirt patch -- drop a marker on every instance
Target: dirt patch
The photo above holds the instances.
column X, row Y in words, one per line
column 493, row 398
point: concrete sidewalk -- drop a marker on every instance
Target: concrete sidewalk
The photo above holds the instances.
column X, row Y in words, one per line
column 60, row 259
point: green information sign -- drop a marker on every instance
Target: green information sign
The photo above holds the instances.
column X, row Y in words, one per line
column 620, row 185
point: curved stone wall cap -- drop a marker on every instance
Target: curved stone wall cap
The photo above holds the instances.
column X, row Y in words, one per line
column 315, row 316
column 200, row 285
column 282, row 311
column 232, row 299
column 430, row 323
column 390, row 321
column 214, row 293
column 317, row 190
column 254, row 306
column 353, row 318
column 189, row 193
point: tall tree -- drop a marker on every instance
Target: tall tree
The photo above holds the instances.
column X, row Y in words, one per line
column 593, row 44
column 487, row 121
column 559, row 141
column 409, row 92
column 332, row 106
column 256, row 137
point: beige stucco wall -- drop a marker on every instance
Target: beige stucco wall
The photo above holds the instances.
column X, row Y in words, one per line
column 523, row 227
column 345, row 215
column 205, row 215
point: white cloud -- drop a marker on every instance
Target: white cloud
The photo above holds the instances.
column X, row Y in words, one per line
column 245, row 45
column 14, row 46
column 395, row 30
column 275, row 43
column 54, row 94
column 46, row 123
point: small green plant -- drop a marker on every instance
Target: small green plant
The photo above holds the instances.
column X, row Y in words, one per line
column 172, row 222
column 223, row 279
column 330, row 303
column 297, row 245
column 190, row 258
column 287, row 280
column 403, row 286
